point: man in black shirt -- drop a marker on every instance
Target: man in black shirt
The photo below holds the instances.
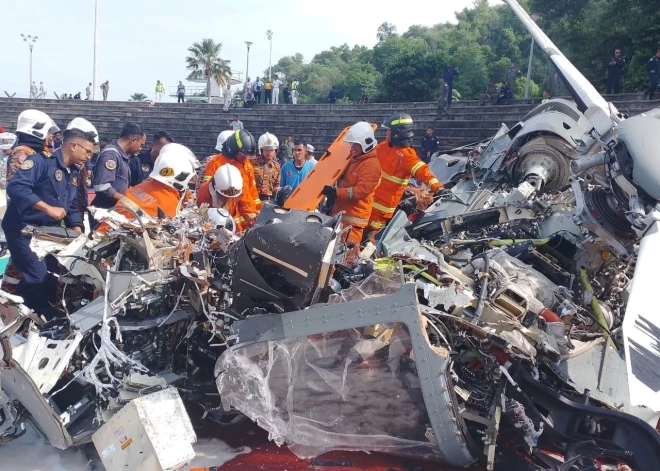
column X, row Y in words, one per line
column 332, row 96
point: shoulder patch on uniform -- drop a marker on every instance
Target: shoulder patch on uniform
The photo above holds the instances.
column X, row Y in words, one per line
column 111, row 164
column 26, row 165
column 167, row 172
column 146, row 168
column 74, row 181
column 59, row 175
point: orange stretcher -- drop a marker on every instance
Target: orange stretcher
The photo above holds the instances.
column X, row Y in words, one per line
column 327, row 171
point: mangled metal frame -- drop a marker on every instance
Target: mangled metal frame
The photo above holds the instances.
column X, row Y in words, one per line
column 402, row 307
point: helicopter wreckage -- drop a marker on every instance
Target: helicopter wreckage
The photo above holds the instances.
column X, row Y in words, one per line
column 508, row 323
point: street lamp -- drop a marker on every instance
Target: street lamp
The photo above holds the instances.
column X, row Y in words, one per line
column 30, row 42
column 269, row 34
column 535, row 17
column 247, row 67
column 96, row 40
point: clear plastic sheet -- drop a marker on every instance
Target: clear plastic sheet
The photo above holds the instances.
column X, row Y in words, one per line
column 372, row 286
column 354, row 389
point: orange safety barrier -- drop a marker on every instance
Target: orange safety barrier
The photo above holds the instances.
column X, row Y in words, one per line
column 327, row 171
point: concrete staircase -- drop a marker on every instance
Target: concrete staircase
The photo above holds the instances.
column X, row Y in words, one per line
column 197, row 125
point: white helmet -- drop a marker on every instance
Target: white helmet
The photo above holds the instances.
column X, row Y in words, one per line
column 222, row 137
column 174, row 167
column 36, row 123
column 181, row 150
column 361, row 133
column 85, row 126
column 7, row 140
column 268, row 141
column 221, row 219
column 228, row 181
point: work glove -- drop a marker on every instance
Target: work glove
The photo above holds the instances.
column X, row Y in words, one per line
column 330, row 192
column 442, row 192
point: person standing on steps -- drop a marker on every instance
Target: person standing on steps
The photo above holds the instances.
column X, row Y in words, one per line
column 332, row 96
column 105, row 88
column 294, row 92
column 276, row 90
column 228, row 95
column 180, row 92
column 450, row 75
column 160, row 89
column 614, row 72
column 511, row 77
column 443, row 99
column 88, row 92
column 286, row 93
column 258, row 87
column 653, row 68
column 268, row 87
column 34, row 91
column 42, row 91
column 236, row 125
column 286, row 151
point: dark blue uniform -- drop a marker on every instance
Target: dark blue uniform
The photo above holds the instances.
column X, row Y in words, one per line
column 449, row 76
column 430, row 145
column 140, row 167
column 614, row 72
column 41, row 177
column 653, row 68
column 111, row 175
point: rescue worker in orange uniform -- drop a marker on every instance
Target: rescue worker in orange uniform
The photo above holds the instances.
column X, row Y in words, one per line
column 237, row 150
column 166, row 187
column 266, row 168
column 223, row 192
column 354, row 193
column 398, row 163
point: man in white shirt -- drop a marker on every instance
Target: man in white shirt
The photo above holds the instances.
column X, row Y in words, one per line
column 236, row 125
column 42, row 90
column 34, row 91
column 309, row 156
column 88, row 92
column 294, row 92
column 228, row 95
column 276, row 90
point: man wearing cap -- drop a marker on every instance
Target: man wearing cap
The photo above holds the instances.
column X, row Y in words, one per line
column 310, row 155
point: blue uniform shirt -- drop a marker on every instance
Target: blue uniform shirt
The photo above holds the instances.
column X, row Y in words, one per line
column 42, row 177
column 449, row 76
column 111, row 175
column 141, row 167
column 292, row 176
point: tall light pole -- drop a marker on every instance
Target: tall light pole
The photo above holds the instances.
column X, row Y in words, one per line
column 269, row 34
column 247, row 67
column 30, row 42
column 96, row 40
column 535, row 17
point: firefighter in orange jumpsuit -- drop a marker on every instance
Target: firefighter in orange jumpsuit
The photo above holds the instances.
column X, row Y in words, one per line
column 223, row 192
column 165, row 188
column 354, row 193
column 398, row 163
column 237, row 150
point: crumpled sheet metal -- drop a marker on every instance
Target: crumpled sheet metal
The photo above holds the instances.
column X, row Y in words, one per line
column 309, row 377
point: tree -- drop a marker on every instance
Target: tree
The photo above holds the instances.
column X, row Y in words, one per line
column 385, row 31
column 205, row 62
column 139, row 97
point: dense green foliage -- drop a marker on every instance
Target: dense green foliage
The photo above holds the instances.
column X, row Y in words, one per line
column 486, row 39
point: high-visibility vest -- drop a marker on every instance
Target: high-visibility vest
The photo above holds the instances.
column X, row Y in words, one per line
column 160, row 88
column 294, row 85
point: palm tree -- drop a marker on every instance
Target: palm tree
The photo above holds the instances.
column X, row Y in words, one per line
column 204, row 61
column 139, row 97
